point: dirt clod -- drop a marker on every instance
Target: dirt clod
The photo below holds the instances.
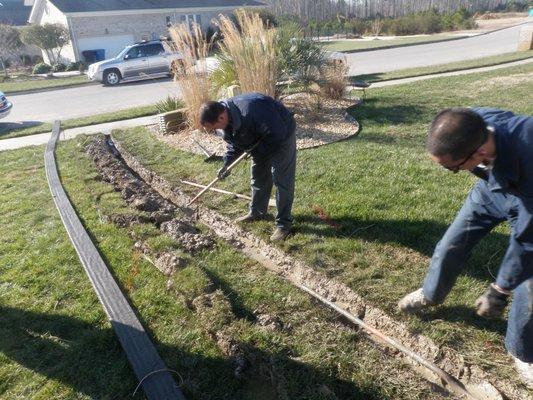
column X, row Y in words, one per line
column 233, row 349
column 269, row 322
column 187, row 235
column 168, row 263
column 213, row 310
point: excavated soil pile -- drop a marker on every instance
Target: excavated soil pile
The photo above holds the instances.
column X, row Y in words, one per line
column 142, row 197
column 319, row 121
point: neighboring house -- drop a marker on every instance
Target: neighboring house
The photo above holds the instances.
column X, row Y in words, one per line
column 113, row 24
column 16, row 13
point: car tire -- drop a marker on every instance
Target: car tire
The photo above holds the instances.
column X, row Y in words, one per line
column 112, row 77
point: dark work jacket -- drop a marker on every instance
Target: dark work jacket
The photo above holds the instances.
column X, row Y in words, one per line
column 512, row 173
column 256, row 118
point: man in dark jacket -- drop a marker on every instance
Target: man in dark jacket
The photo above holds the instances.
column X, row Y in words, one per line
column 497, row 146
column 263, row 125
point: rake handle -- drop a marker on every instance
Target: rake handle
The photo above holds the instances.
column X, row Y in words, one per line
column 230, row 167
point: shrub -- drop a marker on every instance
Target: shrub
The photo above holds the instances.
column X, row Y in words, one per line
column 37, row 59
column 25, row 59
column 41, row 68
column 59, row 67
column 333, row 82
column 194, row 84
column 299, row 58
column 224, row 76
column 253, row 51
column 75, row 66
column 171, row 103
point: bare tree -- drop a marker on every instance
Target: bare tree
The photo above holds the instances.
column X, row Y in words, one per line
column 9, row 44
column 321, row 10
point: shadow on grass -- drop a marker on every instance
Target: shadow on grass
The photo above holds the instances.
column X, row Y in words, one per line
column 366, row 77
column 375, row 111
column 421, row 236
column 463, row 314
column 89, row 360
column 9, row 127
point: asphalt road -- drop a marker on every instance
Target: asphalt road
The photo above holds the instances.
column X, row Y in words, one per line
column 83, row 101
column 490, row 44
column 95, row 99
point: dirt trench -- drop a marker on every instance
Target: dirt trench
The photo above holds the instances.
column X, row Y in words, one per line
column 480, row 384
column 212, row 307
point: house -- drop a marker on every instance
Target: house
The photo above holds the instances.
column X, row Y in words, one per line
column 14, row 12
column 112, row 24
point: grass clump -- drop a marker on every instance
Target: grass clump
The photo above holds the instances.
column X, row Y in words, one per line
column 171, row 103
column 250, row 44
column 191, row 75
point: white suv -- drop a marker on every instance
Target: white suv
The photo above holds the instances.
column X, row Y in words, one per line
column 153, row 59
column 5, row 106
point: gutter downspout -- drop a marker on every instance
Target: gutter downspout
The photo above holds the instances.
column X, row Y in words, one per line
column 73, row 39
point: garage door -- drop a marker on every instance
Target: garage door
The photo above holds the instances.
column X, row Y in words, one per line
column 111, row 44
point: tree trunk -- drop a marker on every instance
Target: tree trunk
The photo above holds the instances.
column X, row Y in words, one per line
column 4, row 67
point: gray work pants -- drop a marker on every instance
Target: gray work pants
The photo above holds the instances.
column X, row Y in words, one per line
column 278, row 168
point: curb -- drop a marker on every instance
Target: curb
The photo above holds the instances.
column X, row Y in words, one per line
column 432, row 42
column 49, row 89
column 503, row 64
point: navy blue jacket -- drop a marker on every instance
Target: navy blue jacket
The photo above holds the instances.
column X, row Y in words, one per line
column 255, row 117
column 512, row 173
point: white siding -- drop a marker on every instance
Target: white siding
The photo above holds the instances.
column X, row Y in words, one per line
column 50, row 14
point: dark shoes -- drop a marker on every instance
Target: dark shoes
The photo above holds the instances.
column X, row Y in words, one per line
column 279, row 235
column 251, row 218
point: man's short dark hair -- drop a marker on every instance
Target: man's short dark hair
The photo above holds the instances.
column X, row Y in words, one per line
column 456, row 132
column 210, row 111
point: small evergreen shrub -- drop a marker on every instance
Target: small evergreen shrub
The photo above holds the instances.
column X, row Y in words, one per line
column 59, row 67
column 41, row 68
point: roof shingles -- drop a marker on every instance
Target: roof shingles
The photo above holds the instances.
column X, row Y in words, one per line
column 71, row 6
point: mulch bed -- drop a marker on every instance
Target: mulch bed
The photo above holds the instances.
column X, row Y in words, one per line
column 319, row 121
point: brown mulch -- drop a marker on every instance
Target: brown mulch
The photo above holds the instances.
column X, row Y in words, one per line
column 319, row 121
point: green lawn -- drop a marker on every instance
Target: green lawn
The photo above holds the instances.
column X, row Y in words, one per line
column 390, row 202
column 24, row 83
column 437, row 69
column 56, row 342
column 355, row 45
column 390, row 205
column 85, row 121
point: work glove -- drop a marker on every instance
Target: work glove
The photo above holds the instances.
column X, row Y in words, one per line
column 223, row 172
column 492, row 303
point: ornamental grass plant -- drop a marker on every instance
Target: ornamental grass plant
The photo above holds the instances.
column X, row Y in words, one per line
column 251, row 45
column 190, row 75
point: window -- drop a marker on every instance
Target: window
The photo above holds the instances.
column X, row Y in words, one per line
column 136, row 52
column 191, row 18
column 154, row 49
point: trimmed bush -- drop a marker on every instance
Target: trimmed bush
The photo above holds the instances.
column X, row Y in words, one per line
column 74, row 66
column 37, row 59
column 59, row 67
column 41, row 68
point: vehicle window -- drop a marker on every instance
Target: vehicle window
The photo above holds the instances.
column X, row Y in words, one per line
column 154, row 49
column 137, row 52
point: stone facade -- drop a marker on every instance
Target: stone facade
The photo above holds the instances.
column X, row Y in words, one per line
column 147, row 26
column 111, row 31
